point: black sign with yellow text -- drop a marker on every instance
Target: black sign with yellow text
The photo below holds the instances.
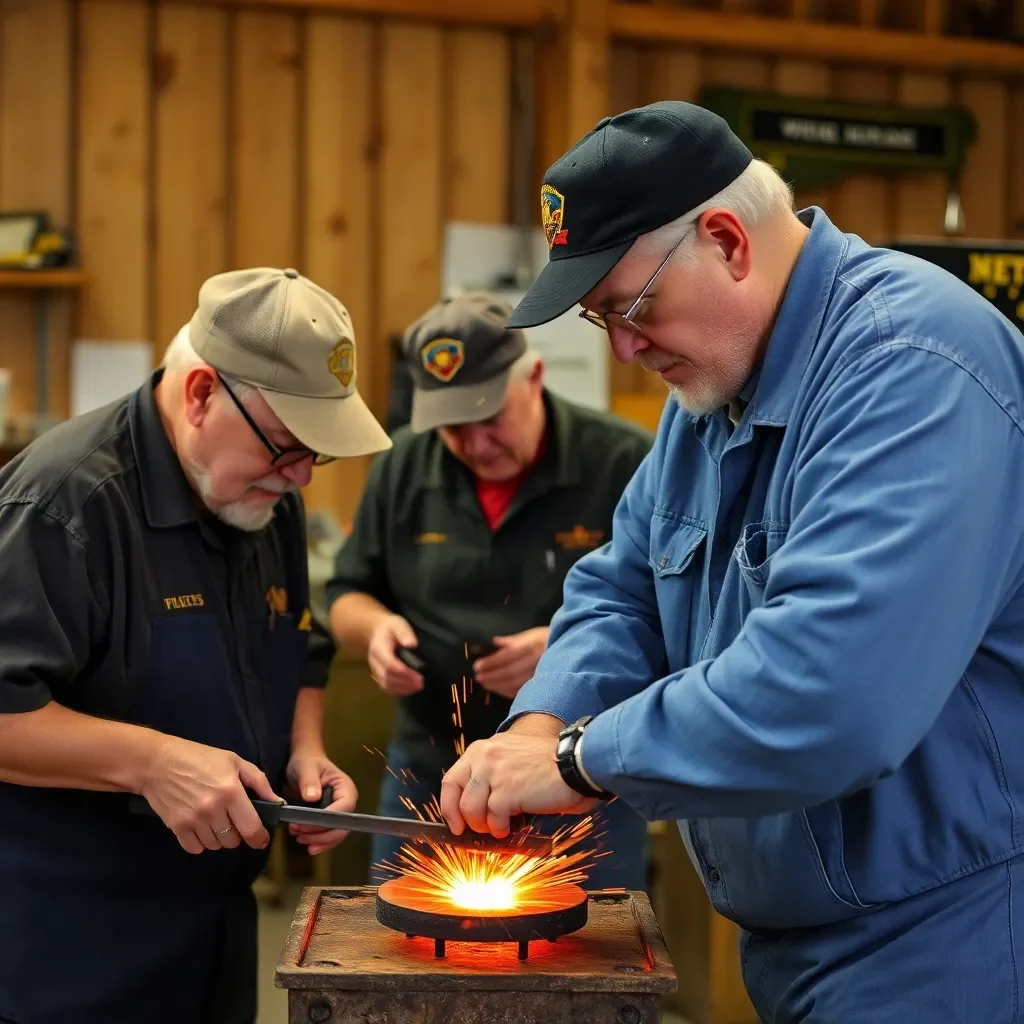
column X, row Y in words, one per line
column 815, row 141
column 995, row 269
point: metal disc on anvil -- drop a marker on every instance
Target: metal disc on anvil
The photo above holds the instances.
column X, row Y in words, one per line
column 404, row 906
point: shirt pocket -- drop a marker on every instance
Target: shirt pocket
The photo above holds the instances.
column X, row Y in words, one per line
column 673, row 544
column 676, row 558
column 754, row 551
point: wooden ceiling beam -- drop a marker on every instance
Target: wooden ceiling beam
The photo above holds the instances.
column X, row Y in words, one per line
column 493, row 13
column 812, row 40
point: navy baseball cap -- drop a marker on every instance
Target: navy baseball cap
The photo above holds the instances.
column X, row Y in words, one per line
column 631, row 174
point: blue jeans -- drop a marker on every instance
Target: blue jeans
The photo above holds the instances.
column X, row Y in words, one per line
column 616, row 827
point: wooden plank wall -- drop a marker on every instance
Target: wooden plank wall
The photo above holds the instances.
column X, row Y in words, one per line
column 181, row 140
column 869, row 205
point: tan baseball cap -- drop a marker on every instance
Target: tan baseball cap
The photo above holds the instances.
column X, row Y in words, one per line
column 294, row 343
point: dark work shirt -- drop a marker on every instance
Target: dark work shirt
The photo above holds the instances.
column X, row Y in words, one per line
column 122, row 598
column 103, row 543
column 421, row 545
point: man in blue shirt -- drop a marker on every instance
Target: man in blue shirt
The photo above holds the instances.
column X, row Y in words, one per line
column 805, row 639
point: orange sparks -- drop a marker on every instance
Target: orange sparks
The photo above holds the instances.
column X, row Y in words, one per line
column 443, row 877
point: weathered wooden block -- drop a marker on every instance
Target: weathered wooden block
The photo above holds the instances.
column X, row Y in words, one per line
column 341, row 966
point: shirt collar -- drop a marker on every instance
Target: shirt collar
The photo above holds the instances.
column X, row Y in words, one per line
column 560, row 464
column 167, row 497
column 774, row 387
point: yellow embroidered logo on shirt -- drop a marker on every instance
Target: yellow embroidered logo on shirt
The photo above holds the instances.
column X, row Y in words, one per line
column 306, row 621
column 432, row 538
column 579, row 537
column 183, row 601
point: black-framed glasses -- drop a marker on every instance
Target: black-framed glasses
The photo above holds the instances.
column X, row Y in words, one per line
column 279, row 456
column 633, row 318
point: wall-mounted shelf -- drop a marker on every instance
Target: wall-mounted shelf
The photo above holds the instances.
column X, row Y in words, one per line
column 43, row 283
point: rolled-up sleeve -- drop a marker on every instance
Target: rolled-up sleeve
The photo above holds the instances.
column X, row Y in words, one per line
column 50, row 607
column 904, row 542
column 605, row 642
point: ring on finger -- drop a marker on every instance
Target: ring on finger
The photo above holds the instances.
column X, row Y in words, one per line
column 224, row 831
column 473, row 781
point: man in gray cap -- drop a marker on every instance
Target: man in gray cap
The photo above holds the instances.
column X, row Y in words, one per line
column 156, row 639
column 464, row 535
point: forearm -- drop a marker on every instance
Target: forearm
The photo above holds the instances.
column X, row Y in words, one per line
column 57, row 747
column 308, row 723
column 353, row 619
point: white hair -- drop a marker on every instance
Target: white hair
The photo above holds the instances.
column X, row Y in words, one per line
column 180, row 357
column 758, row 194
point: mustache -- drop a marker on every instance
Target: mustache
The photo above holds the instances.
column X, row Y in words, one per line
column 269, row 483
column 655, row 362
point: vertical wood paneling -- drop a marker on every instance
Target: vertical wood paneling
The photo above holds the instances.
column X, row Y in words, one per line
column 624, row 78
column 587, row 96
column 190, row 178
column 805, row 78
column 861, row 203
column 921, row 198
column 1015, row 167
column 264, row 159
column 35, row 174
column 671, row 73
column 340, row 245
column 625, row 91
column 740, row 71
column 983, row 189
column 477, row 110
column 113, row 171
column 550, row 67
column 409, row 202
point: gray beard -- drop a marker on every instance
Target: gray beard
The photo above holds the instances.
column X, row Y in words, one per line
column 238, row 514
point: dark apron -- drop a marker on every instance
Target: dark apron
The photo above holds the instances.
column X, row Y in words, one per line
column 104, row 919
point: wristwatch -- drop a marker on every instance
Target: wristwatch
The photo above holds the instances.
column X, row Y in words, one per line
column 569, row 766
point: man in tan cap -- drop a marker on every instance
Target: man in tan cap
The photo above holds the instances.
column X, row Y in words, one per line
column 156, row 639
column 462, row 541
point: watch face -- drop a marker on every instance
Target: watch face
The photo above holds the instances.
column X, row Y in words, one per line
column 565, row 744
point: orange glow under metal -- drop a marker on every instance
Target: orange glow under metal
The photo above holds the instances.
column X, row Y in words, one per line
column 405, row 906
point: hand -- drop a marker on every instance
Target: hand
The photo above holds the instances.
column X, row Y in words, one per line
column 508, row 774
column 512, row 665
column 308, row 774
column 199, row 794
column 385, row 669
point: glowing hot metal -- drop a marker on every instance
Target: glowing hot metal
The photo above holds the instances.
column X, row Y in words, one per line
column 445, row 892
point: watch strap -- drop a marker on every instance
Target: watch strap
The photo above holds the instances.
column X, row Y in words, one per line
column 568, row 765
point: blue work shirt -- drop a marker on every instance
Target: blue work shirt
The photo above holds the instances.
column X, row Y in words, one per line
column 805, row 638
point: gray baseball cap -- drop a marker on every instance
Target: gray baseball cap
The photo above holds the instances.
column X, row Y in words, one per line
column 460, row 354
column 293, row 341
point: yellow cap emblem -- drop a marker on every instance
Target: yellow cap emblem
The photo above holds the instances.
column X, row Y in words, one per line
column 342, row 362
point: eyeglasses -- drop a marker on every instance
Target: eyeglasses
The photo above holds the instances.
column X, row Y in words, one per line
column 279, row 456
column 633, row 318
